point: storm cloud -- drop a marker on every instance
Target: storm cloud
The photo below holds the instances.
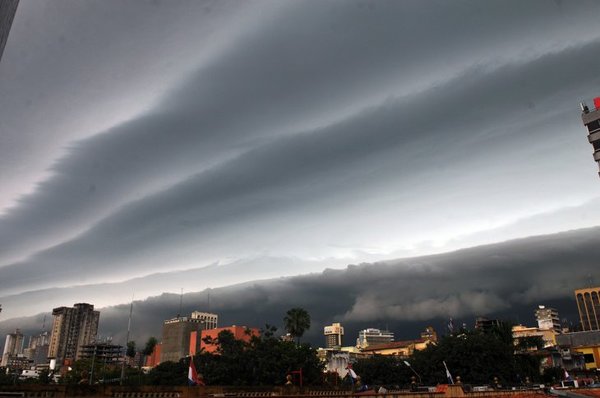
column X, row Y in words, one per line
column 508, row 280
column 320, row 134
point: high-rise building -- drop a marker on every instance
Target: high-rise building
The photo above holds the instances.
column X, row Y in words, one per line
column 589, row 307
column 13, row 346
column 177, row 331
column 373, row 336
column 591, row 120
column 333, row 335
column 8, row 8
column 37, row 349
column 547, row 318
column 72, row 328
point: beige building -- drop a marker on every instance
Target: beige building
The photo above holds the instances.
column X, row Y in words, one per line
column 177, row 331
column 588, row 305
column 547, row 335
column 333, row 335
column 72, row 328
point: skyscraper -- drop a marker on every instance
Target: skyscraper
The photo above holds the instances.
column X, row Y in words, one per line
column 589, row 307
column 72, row 328
column 333, row 335
column 13, row 346
column 591, row 120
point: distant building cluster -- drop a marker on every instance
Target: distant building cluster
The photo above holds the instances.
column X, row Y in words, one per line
column 74, row 335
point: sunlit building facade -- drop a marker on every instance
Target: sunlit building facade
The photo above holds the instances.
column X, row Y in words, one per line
column 588, row 305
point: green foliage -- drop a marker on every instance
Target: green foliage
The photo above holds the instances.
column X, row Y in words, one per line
column 150, row 344
column 130, row 349
column 476, row 357
column 263, row 361
column 383, row 370
column 169, row 374
column 527, row 343
column 296, row 321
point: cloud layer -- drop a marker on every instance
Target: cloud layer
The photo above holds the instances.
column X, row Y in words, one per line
column 345, row 130
column 508, row 279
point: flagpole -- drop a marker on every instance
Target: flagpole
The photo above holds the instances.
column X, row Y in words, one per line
column 448, row 375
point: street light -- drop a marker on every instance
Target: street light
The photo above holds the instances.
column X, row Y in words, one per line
column 410, row 367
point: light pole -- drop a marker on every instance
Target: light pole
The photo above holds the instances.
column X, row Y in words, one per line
column 410, row 367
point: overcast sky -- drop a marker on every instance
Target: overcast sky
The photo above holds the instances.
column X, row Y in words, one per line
column 142, row 139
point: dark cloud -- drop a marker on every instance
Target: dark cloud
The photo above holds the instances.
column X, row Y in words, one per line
column 508, row 279
column 291, row 175
column 338, row 129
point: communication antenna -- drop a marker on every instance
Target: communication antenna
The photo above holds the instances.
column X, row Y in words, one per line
column 180, row 303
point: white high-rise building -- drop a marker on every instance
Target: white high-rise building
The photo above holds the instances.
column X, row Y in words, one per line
column 13, row 346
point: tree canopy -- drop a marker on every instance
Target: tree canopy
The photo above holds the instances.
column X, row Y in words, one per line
column 296, row 321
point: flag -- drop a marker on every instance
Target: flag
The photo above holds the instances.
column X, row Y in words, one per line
column 351, row 372
column 448, row 375
column 192, row 374
column 451, row 326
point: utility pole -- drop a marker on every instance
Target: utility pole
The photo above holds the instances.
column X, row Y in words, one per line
column 126, row 340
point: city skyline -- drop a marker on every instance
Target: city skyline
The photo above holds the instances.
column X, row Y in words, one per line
column 252, row 141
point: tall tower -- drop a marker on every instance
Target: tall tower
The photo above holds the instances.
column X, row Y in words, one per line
column 589, row 307
column 13, row 346
column 333, row 335
column 591, row 120
column 72, row 328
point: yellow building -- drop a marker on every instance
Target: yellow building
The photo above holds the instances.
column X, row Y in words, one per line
column 588, row 304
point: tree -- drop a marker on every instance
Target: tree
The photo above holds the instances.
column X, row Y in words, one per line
column 296, row 321
column 150, row 344
column 130, row 349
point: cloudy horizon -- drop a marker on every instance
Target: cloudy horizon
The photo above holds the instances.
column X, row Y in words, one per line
column 141, row 142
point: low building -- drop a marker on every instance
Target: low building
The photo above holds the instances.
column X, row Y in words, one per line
column 403, row 349
column 208, row 341
column 372, row 336
column 102, row 352
column 547, row 335
column 587, row 343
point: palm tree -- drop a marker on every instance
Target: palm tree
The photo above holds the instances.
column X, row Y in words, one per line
column 296, row 321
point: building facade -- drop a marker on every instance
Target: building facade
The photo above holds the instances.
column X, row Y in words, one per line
column 177, row 331
column 208, row 340
column 334, row 334
column 591, row 120
column 13, row 346
column 547, row 318
column 210, row 320
column 372, row 336
column 72, row 328
column 104, row 353
column 588, row 305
